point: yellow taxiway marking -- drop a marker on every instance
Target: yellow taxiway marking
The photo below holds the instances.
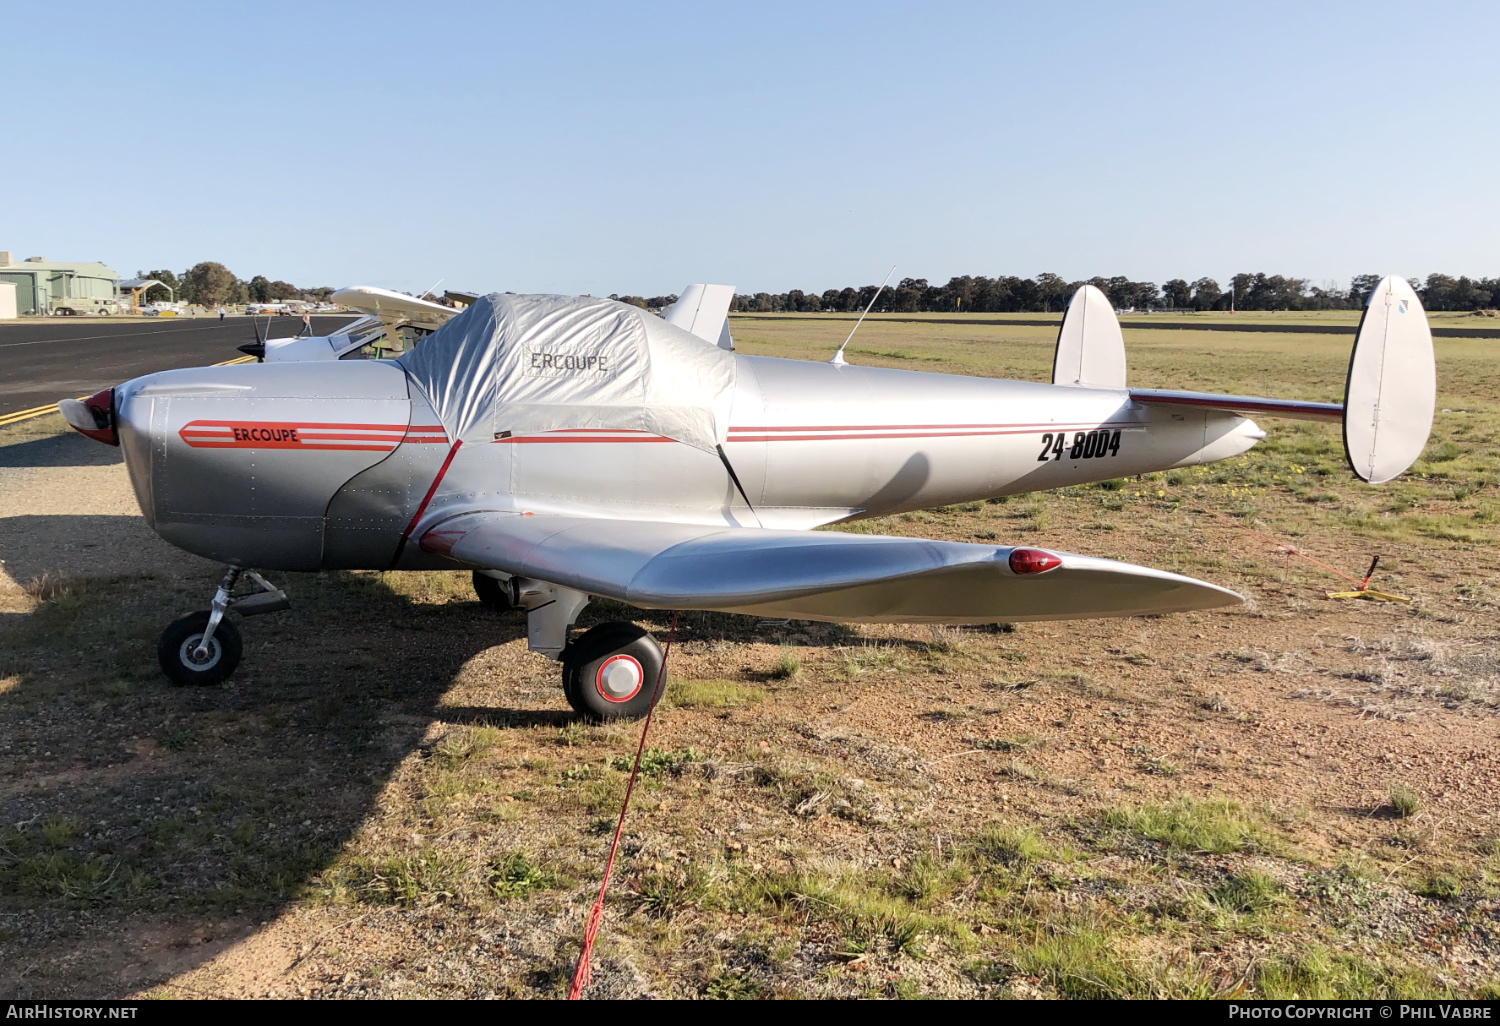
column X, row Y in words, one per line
column 42, row 411
column 35, row 411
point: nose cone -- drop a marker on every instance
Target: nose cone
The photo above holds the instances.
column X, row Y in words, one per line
column 94, row 416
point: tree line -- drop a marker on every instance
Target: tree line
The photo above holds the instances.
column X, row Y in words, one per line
column 212, row 284
column 1049, row 293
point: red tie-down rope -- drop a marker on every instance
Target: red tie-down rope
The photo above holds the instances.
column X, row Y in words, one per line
column 581, row 971
column 1286, row 547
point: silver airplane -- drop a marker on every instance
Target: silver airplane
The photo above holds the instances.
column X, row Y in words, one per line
column 562, row 448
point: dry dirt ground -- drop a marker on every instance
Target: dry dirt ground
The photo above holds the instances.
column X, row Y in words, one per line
column 390, row 798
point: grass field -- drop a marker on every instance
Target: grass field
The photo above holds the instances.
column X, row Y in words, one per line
column 1293, row 798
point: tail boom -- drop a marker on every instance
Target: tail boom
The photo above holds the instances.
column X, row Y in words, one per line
column 1288, row 409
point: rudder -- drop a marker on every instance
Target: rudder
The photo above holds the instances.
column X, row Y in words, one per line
column 1090, row 348
column 1391, row 393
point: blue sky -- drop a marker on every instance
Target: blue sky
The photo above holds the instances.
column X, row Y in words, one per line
column 636, row 147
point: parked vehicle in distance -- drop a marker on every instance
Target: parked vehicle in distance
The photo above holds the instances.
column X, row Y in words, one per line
column 79, row 305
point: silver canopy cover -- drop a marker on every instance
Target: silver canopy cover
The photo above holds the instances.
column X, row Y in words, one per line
column 524, row 364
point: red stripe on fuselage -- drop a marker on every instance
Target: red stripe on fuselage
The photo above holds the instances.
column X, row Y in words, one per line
column 422, row 507
column 545, row 440
column 833, row 433
column 878, row 434
column 919, row 427
column 255, row 434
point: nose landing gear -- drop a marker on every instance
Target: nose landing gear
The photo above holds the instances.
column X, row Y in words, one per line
column 183, row 640
column 204, row 648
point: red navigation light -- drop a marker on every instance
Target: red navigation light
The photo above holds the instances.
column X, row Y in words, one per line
column 1032, row 561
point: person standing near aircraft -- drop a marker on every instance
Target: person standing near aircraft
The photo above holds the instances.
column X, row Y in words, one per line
column 306, row 326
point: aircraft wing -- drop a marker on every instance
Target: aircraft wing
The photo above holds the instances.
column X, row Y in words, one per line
column 812, row 575
column 385, row 303
column 1291, row 409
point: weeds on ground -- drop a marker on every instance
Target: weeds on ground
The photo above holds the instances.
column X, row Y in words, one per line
column 733, row 987
column 434, row 876
column 1404, row 801
column 54, row 860
column 1012, row 847
column 655, row 762
column 1083, row 960
column 1213, row 827
column 514, row 875
column 1318, row 975
column 787, row 667
column 712, row 694
column 1245, row 893
column 662, row 893
column 1439, row 884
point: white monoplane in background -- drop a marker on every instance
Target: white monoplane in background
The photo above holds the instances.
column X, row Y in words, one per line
column 394, row 322
column 567, row 447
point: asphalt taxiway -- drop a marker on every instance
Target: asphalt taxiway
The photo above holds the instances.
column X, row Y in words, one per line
column 42, row 361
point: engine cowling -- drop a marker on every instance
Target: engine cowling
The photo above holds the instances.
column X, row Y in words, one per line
column 239, row 463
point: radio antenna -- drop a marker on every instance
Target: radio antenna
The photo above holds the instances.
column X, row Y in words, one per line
column 838, row 357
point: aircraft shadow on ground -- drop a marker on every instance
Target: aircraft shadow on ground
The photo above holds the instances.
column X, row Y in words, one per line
column 145, row 828
column 70, row 450
column 39, row 549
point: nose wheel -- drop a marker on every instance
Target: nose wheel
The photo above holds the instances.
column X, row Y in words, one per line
column 204, row 648
column 187, row 661
column 611, row 671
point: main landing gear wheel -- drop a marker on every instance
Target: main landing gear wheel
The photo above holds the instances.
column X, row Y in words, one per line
column 611, row 671
column 493, row 593
column 177, row 651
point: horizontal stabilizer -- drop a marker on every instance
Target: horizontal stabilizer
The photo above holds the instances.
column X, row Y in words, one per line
column 1392, row 390
column 811, row 575
column 703, row 310
column 1290, row 409
column 1090, row 348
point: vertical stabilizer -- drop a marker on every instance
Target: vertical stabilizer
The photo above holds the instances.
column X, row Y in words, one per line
column 704, row 311
column 1090, row 348
column 1392, row 390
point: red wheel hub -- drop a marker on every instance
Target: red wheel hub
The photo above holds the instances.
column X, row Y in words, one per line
column 619, row 678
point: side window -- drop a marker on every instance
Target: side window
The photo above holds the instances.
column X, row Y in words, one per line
column 368, row 351
column 379, row 346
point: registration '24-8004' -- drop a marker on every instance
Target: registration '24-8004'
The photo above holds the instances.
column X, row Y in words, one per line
column 1086, row 445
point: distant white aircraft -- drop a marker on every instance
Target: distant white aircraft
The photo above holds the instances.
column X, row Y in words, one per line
column 394, row 322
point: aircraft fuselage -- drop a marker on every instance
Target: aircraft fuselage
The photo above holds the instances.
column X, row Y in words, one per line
column 311, row 466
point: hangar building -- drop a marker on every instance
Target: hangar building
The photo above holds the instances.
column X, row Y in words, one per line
column 50, row 287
